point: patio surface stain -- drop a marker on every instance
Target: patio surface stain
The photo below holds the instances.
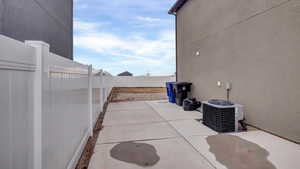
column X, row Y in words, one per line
column 136, row 153
column 237, row 153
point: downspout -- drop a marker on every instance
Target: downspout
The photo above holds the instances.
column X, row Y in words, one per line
column 72, row 31
column 176, row 48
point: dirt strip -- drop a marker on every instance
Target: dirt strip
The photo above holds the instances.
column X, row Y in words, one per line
column 138, row 94
column 88, row 151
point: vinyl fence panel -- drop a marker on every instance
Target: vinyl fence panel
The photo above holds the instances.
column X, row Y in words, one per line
column 49, row 105
column 17, row 68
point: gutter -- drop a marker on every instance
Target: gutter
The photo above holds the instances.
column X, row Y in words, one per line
column 177, row 6
column 176, row 39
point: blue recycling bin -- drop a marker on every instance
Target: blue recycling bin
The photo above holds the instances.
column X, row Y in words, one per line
column 170, row 92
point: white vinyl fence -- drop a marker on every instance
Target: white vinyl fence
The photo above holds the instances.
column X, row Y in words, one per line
column 142, row 81
column 48, row 106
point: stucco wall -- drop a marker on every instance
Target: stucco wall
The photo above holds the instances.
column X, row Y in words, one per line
column 255, row 45
column 50, row 21
column 1, row 15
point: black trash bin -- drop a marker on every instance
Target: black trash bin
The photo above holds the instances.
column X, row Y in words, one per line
column 181, row 91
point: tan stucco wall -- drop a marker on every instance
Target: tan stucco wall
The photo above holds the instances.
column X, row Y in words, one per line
column 255, row 45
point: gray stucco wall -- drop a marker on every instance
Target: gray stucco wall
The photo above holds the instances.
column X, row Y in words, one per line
column 1, row 15
column 50, row 21
column 255, row 45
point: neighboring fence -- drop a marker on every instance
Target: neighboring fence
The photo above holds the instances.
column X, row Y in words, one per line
column 48, row 106
column 142, row 81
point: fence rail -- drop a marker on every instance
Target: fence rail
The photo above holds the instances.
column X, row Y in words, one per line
column 49, row 105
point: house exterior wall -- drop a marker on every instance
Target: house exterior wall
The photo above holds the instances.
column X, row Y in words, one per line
column 44, row 20
column 252, row 44
column 1, row 15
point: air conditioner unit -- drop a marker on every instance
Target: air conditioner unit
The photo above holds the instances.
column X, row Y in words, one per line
column 222, row 116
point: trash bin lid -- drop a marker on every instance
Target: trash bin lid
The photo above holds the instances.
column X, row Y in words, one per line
column 183, row 84
column 170, row 83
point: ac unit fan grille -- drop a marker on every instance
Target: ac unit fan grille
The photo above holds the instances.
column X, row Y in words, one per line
column 219, row 119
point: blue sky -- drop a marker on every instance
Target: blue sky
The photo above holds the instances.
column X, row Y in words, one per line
column 119, row 35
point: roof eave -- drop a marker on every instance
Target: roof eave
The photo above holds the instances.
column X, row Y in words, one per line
column 177, row 6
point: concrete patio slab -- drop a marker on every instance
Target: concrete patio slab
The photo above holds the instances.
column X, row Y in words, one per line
column 280, row 153
column 138, row 105
column 172, row 111
column 141, row 116
column 191, row 128
column 136, row 132
column 182, row 142
column 173, row 154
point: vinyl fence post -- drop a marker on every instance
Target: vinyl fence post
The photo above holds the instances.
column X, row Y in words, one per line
column 101, row 90
column 90, row 99
column 104, row 87
column 41, row 51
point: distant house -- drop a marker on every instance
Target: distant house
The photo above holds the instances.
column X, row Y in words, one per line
column 126, row 73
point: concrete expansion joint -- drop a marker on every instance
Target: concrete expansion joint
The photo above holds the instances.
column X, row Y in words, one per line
column 141, row 140
column 211, row 164
column 125, row 110
column 181, row 136
column 135, row 124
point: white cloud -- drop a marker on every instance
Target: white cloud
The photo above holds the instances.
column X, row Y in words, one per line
column 148, row 19
column 133, row 49
column 82, row 6
column 82, row 26
column 138, row 36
